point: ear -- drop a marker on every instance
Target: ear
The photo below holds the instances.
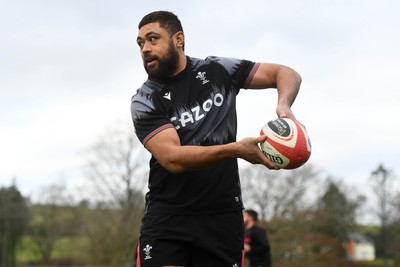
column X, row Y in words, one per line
column 179, row 39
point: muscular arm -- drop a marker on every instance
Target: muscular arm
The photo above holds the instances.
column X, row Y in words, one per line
column 285, row 79
column 166, row 148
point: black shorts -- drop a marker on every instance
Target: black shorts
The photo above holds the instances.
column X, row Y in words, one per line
column 214, row 240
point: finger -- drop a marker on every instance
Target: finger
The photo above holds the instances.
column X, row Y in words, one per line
column 285, row 113
column 282, row 115
column 267, row 162
column 261, row 138
column 272, row 166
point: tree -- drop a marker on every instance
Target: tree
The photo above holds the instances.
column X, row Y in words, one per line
column 295, row 242
column 336, row 214
column 382, row 185
column 14, row 215
column 117, row 168
column 276, row 194
column 53, row 218
column 338, row 209
column 298, row 233
column 394, row 241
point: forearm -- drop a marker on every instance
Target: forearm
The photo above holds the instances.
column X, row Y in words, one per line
column 286, row 80
column 288, row 83
column 192, row 158
column 176, row 158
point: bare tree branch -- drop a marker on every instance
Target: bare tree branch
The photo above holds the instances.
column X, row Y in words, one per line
column 276, row 193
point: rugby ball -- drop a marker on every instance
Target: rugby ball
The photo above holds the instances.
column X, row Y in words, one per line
column 287, row 144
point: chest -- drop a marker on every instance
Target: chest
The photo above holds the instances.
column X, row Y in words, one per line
column 200, row 103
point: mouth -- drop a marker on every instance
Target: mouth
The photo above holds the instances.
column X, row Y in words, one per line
column 149, row 60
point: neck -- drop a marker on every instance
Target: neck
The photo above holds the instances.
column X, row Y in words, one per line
column 181, row 63
column 250, row 224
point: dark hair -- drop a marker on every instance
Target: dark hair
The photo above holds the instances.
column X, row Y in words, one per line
column 167, row 20
column 252, row 214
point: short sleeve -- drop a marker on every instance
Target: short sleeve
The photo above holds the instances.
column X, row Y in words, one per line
column 241, row 71
column 147, row 119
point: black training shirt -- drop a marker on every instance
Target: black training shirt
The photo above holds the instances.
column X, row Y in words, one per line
column 200, row 103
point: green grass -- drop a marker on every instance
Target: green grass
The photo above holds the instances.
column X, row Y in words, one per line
column 71, row 248
column 66, row 248
column 25, row 251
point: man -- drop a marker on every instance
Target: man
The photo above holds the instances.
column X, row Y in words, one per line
column 185, row 116
column 256, row 244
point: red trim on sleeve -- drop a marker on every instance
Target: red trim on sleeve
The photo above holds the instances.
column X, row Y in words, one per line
column 156, row 131
column 138, row 256
column 251, row 75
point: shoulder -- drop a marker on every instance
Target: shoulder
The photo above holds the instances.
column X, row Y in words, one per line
column 147, row 90
column 225, row 61
column 230, row 64
column 259, row 229
column 143, row 100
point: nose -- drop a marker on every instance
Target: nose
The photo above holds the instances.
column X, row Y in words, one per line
column 146, row 47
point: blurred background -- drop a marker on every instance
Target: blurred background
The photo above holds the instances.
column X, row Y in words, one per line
column 73, row 175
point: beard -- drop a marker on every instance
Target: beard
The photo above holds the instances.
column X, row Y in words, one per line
column 167, row 65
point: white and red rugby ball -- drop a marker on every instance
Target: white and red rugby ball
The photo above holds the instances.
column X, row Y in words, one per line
column 287, row 144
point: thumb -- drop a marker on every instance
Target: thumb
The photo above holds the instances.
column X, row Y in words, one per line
column 282, row 115
column 261, row 138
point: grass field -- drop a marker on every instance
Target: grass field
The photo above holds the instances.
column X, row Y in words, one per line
column 66, row 249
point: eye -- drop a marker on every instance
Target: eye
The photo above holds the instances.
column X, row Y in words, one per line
column 152, row 39
column 140, row 43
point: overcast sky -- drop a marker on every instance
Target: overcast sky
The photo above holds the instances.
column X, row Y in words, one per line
column 68, row 69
